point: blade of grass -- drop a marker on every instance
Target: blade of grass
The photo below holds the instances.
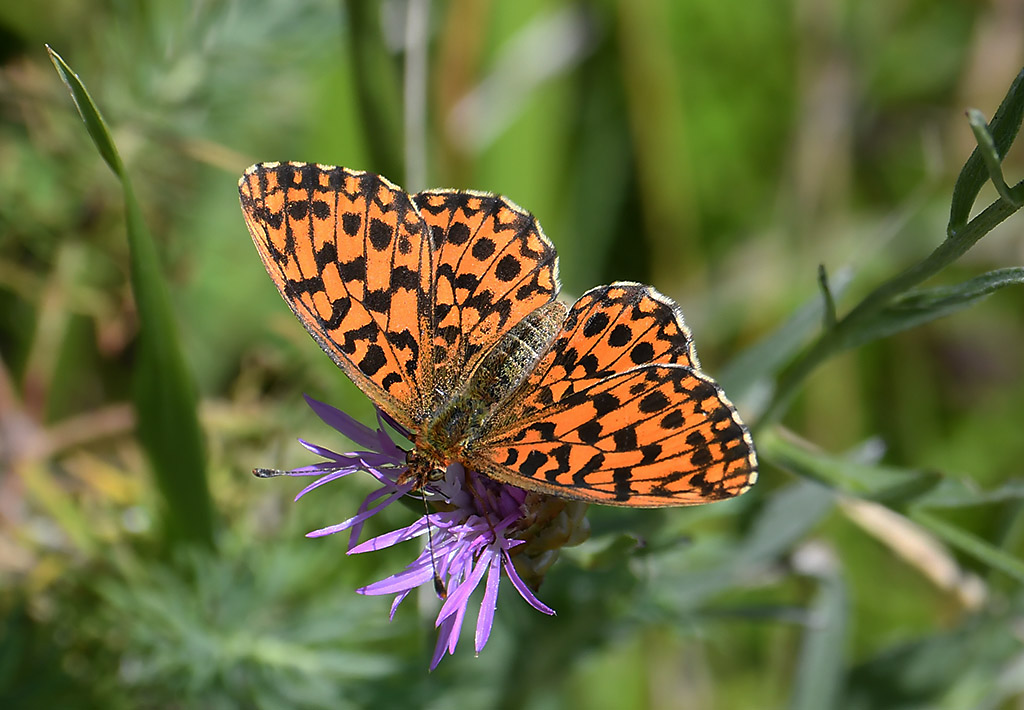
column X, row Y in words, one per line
column 970, row 544
column 991, row 156
column 377, row 86
column 888, row 485
column 820, row 667
column 164, row 395
column 1003, row 129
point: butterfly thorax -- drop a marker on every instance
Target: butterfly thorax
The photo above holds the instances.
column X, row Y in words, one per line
column 449, row 434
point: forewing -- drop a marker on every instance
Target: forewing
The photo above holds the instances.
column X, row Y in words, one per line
column 351, row 256
column 618, row 412
column 493, row 267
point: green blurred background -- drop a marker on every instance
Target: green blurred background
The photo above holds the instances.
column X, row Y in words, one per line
column 720, row 151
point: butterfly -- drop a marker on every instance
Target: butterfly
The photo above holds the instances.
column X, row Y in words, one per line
column 442, row 307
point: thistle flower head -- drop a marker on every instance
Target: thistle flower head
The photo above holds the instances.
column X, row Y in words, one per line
column 478, row 531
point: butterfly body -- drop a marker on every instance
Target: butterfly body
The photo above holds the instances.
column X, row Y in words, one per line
column 442, row 307
column 450, row 433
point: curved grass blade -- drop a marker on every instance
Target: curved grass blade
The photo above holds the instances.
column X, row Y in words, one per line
column 164, row 395
column 990, row 154
column 1003, row 129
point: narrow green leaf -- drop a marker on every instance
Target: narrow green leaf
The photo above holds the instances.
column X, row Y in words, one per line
column 689, row 579
column 922, row 671
column 766, row 357
column 923, row 305
column 828, row 303
column 1003, row 128
column 888, row 485
column 990, row 155
column 377, row 86
column 959, row 493
column 787, row 517
column 822, row 660
column 969, row 543
column 94, row 122
column 164, row 396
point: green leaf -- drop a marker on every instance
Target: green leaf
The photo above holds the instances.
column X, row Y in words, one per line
column 990, row 155
column 920, row 306
column 787, row 517
column 164, row 395
column 969, row 543
column 377, row 85
column 690, row 578
column 930, row 671
column 94, row 122
column 766, row 357
column 822, row 660
column 896, row 488
column 957, row 493
column 1003, row 129
column 828, row 302
column 888, row 485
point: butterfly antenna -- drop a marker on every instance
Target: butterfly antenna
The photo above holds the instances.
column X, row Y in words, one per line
column 268, row 472
column 439, row 589
column 317, row 470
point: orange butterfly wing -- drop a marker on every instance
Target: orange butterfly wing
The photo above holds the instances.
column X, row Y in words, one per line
column 351, row 256
column 493, row 266
column 404, row 293
column 618, row 412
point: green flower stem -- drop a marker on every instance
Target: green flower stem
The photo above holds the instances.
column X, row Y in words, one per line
column 846, row 330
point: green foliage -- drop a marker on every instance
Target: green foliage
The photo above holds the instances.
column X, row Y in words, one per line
column 165, row 400
column 723, row 152
column 994, row 140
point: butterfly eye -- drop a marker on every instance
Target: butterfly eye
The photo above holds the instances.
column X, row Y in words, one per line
column 436, row 474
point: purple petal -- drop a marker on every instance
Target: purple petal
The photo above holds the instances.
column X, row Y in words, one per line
column 384, row 437
column 318, row 469
column 363, row 514
column 524, row 591
column 468, row 545
column 443, row 636
column 418, row 528
column 458, row 599
column 349, row 427
column 418, row 573
column 398, row 600
column 453, row 637
column 333, row 476
column 325, row 452
column 487, row 606
column 356, row 519
column 393, row 424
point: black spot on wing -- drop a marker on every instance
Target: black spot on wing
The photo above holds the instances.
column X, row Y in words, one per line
column 350, row 223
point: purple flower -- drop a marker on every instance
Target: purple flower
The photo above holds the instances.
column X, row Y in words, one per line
column 480, row 530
